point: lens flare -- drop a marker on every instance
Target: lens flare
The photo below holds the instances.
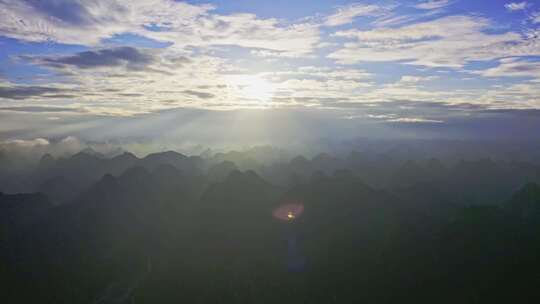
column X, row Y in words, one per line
column 291, row 215
column 289, row 211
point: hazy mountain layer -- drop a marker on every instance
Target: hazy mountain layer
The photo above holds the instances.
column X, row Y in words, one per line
column 169, row 228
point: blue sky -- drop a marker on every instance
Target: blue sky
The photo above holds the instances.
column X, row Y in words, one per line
column 67, row 65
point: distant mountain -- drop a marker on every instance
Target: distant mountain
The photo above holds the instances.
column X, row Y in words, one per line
column 59, row 189
column 241, row 196
column 64, row 178
column 220, row 171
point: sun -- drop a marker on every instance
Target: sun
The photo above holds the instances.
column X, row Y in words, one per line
column 254, row 88
column 258, row 88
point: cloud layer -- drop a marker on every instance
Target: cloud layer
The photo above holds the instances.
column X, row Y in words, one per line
column 70, row 64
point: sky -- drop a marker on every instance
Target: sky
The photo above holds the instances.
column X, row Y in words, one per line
column 264, row 71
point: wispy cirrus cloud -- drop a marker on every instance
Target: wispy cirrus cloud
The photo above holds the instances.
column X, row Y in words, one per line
column 435, row 43
column 40, row 109
column 433, row 4
column 516, row 6
column 416, row 79
column 26, row 91
column 535, row 17
column 347, row 14
column 513, row 67
column 414, row 120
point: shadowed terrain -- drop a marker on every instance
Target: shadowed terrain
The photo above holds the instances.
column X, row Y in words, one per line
column 169, row 228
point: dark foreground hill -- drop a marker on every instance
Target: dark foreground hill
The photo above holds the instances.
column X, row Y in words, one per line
column 169, row 229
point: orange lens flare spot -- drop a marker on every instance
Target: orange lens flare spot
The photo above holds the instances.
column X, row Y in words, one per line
column 290, row 215
column 289, row 211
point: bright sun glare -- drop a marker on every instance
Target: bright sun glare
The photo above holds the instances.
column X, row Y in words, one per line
column 254, row 87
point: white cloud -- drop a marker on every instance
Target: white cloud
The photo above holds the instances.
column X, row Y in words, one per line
column 433, row 4
column 535, row 17
column 516, row 6
column 448, row 42
column 323, row 45
column 347, row 14
column 25, row 143
column 89, row 22
column 524, row 95
column 35, row 148
column 244, row 30
column 326, row 72
column 382, row 116
column 513, row 67
column 391, row 20
column 416, row 79
column 415, row 120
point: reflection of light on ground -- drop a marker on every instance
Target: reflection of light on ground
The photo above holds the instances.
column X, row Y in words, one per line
column 289, row 211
